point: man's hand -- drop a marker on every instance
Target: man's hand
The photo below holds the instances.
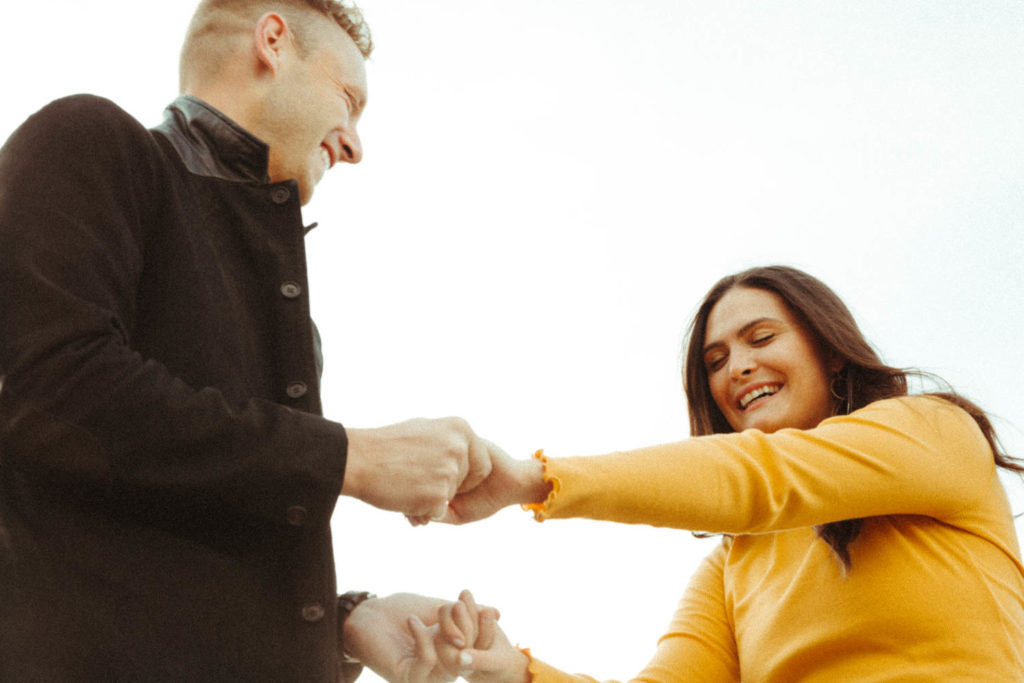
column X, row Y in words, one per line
column 416, row 467
column 395, row 636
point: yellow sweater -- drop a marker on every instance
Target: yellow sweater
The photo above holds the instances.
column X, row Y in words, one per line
column 936, row 589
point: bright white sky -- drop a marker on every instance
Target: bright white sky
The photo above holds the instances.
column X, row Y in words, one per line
column 548, row 190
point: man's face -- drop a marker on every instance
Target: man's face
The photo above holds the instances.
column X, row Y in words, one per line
column 311, row 112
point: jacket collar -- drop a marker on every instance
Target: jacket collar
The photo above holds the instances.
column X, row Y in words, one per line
column 211, row 144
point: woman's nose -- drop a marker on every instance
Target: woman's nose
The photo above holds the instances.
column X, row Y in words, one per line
column 741, row 365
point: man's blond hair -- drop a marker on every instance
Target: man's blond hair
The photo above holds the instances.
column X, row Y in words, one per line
column 214, row 21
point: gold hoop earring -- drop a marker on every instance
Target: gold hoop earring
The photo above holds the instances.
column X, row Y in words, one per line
column 843, row 402
column 832, row 388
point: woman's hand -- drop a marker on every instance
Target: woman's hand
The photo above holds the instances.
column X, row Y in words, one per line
column 458, row 627
column 510, row 482
column 489, row 657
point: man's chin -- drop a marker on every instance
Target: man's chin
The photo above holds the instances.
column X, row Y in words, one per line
column 306, row 192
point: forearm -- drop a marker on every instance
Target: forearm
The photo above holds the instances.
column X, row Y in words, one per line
column 118, row 426
column 897, row 458
column 699, row 645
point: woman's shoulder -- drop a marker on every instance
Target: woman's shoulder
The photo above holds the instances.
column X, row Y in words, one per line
column 928, row 417
column 916, row 407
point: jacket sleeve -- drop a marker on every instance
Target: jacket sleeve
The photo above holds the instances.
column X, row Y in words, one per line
column 78, row 404
column 911, row 455
column 699, row 646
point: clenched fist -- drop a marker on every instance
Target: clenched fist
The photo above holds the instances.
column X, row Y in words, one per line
column 415, row 467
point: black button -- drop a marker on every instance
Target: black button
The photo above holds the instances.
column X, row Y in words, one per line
column 296, row 515
column 280, row 195
column 291, row 290
column 297, row 390
column 313, row 613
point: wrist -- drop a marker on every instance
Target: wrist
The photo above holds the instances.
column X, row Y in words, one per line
column 531, row 487
column 348, row 605
column 520, row 672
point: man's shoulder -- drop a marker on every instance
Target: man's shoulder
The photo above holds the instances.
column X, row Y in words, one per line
column 86, row 114
column 82, row 124
column 80, row 133
column 83, row 108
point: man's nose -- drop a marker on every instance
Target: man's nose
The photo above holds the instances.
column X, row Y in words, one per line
column 351, row 147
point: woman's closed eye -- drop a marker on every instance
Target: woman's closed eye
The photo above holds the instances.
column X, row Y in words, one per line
column 715, row 362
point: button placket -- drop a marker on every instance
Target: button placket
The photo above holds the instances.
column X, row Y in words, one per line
column 289, row 272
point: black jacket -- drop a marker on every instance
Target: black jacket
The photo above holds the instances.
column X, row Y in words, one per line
column 166, row 479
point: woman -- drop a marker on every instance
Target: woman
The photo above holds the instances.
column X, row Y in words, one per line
column 866, row 535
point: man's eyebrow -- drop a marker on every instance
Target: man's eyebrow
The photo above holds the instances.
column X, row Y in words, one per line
column 743, row 330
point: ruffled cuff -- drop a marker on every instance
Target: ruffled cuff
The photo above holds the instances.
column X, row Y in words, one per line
column 540, row 510
column 533, row 667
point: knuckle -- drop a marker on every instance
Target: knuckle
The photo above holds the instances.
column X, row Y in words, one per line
column 458, row 427
column 449, row 473
column 459, row 423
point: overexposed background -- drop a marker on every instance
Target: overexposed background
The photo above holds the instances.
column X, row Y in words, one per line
column 550, row 187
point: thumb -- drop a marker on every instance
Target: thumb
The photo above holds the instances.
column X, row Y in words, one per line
column 478, row 463
column 439, row 513
column 473, row 506
column 455, row 512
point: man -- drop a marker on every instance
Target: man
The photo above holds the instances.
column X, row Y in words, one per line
column 166, row 477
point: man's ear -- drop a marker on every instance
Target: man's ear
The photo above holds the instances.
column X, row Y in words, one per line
column 271, row 36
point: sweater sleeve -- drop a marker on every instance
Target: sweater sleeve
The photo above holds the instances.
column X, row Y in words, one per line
column 699, row 646
column 910, row 455
column 79, row 404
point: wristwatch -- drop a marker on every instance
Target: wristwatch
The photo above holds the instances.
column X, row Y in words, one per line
column 346, row 603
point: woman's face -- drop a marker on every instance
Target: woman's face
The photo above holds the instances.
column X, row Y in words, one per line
column 765, row 369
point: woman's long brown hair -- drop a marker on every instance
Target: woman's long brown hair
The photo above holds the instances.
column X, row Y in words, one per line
column 863, row 379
